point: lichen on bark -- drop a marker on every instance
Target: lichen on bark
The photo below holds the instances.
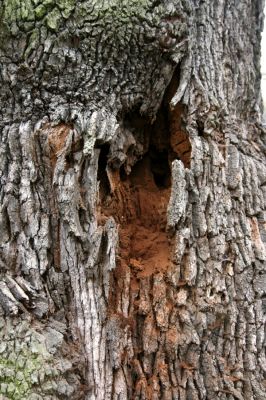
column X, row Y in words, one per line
column 29, row 368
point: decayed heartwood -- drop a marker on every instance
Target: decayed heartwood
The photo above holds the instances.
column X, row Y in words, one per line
column 132, row 234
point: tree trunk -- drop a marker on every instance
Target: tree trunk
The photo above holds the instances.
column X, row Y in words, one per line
column 132, row 200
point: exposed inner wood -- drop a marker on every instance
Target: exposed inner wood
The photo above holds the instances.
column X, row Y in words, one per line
column 56, row 139
column 138, row 202
column 139, row 206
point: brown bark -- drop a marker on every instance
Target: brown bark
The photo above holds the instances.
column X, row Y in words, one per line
column 132, row 201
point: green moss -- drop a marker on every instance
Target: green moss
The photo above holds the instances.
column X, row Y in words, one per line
column 53, row 19
column 27, row 10
column 66, row 7
column 19, row 375
column 9, row 10
column 40, row 11
column 119, row 20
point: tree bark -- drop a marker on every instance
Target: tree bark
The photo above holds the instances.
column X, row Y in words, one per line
column 132, row 200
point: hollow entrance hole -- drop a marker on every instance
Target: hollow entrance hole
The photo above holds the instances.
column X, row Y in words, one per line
column 137, row 192
column 138, row 199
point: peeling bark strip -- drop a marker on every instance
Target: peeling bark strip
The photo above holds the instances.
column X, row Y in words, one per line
column 132, row 200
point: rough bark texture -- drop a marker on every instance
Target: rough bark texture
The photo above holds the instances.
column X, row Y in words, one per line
column 132, row 200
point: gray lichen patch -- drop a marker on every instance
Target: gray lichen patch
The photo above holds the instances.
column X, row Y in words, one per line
column 51, row 12
column 30, row 362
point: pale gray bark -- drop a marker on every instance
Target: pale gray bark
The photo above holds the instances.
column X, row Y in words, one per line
column 132, row 200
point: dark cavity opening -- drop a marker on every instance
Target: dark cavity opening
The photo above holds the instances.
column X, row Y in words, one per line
column 157, row 154
column 147, row 160
column 102, row 177
column 159, row 163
